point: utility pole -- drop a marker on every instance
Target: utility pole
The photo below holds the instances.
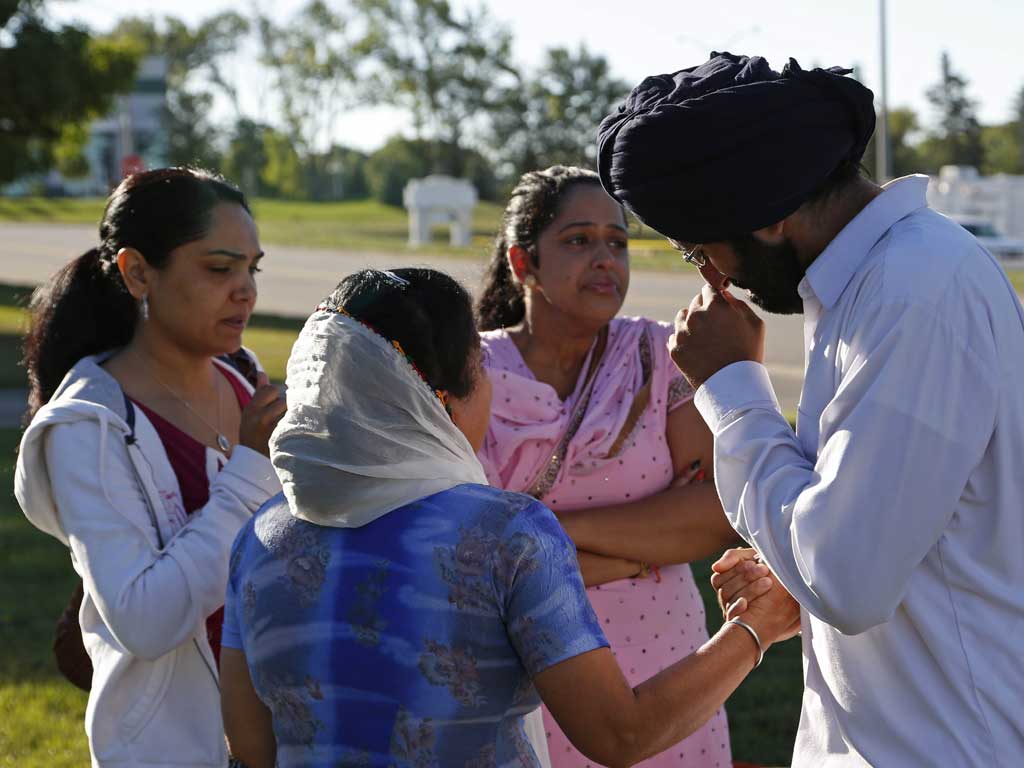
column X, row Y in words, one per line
column 883, row 170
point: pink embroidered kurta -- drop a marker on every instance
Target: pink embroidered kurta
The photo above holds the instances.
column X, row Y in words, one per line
column 587, row 451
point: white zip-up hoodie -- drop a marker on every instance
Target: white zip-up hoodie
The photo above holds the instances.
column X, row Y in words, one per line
column 152, row 574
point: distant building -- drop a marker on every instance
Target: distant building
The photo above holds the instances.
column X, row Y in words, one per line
column 961, row 192
column 133, row 136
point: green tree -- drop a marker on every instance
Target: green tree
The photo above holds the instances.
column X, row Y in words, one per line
column 1018, row 130
column 445, row 69
column 479, row 171
column 283, row 175
column 313, row 58
column 389, row 169
column 552, row 117
column 904, row 130
column 1002, row 152
column 246, row 157
column 956, row 138
column 338, row 174
column 69, row 150
column 195, row 57
column 904, row 133
column 53, row 77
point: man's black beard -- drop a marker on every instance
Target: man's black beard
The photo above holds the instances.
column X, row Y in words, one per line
column 771, row 274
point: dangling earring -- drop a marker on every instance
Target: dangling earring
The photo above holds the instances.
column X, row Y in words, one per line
column 144, row 307
column 530, row 281
column 442, row 395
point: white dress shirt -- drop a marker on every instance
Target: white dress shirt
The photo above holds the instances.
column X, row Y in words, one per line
column 895, row 514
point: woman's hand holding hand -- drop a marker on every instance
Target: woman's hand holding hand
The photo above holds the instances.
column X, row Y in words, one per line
column 739, row 576
column 746, row 586
column 261, row 415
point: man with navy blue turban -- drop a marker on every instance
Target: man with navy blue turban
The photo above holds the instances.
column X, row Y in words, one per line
column 894, row 514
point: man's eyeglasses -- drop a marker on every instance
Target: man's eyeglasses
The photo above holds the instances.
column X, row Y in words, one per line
column 694, row 255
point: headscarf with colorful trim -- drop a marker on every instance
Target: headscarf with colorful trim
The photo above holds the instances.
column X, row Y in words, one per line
column 364, row 433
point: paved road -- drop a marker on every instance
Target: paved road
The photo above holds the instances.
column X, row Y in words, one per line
column 295, row 279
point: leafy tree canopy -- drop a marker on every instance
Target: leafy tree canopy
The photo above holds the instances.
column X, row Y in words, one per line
column 54, row 78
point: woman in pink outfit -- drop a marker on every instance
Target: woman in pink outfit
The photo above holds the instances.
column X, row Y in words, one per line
column 591, row 417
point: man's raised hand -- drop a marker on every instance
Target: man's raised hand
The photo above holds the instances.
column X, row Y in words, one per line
column 715, row 331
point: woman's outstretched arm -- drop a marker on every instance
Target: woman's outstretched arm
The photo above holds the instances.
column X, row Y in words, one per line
column 616, row 725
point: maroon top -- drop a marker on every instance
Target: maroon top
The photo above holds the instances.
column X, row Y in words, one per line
column 195, row 465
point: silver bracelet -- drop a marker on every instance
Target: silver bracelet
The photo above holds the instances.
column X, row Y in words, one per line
column 753, row 633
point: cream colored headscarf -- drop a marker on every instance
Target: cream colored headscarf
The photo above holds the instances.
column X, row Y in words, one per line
column 364, row 433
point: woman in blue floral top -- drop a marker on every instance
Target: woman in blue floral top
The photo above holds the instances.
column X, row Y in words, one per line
column 391, row 609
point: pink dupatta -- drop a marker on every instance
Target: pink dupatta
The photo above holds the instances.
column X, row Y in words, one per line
column 534, row 436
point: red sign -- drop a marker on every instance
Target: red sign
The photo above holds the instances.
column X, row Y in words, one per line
column 131, row 164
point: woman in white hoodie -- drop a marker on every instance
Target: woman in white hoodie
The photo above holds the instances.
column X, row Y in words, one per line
column 146, row 453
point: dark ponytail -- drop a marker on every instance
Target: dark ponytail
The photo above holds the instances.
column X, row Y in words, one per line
column 534, row 203
column 85, row 308
column 501, row 304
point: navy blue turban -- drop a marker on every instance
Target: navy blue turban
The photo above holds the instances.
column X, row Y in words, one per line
column 719, row 150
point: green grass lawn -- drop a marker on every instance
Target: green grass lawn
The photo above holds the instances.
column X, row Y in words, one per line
column 41, row 715
column 59, row 210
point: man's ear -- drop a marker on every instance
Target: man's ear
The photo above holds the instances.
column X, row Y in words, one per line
column 519, row 263
column 773, row 234
column 133, row 268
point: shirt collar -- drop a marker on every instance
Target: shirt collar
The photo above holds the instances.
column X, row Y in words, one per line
column 830, row 273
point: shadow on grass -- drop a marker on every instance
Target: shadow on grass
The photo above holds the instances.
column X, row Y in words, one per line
column 15, row 295
column 276, row 323
column 12, row 375
column 38, row 579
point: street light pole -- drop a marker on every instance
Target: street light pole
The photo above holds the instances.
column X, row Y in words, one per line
column 882, row 167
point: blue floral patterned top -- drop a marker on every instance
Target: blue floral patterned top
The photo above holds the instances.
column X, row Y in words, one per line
column 410, row 641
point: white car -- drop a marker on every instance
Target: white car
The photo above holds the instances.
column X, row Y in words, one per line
column 998, row 244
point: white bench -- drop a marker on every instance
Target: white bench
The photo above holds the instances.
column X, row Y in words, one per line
column 437, row 200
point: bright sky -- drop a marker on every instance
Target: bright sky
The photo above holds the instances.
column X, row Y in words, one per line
column 644, row 37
